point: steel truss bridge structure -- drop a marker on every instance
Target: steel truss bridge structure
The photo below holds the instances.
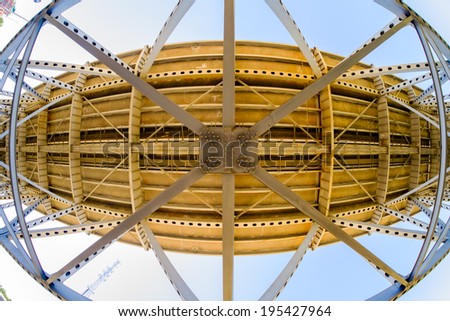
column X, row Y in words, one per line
column 224, row 147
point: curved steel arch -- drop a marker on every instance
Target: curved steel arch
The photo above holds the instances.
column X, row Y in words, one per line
column 225, row 134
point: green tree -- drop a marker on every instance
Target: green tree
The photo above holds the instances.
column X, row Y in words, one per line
column 2, row 290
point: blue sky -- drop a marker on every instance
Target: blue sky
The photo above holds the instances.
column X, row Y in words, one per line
column 331, row 272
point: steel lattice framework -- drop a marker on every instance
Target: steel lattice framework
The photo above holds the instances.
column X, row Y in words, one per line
column 398, row 168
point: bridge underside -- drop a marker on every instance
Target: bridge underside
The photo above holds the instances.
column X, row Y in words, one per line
column 109, row 149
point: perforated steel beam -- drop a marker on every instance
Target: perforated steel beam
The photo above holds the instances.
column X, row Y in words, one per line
column 228, row 179
column 92, row 251
column 306, row 208
column 175, row 17
column 443, row 157
column 387, row 70
column 183, row 290
column 78, row 228
column 426, row 94
column 38, row 271
column 406, row 84
column 123, row 70
column 50, row 217
column 286, row 274
column 68, row 67
column 48, row 80
column 382, row 229
column 311, row 90
column 286, row 19
column 404, row 217
column 56, row 7
column 21, row 253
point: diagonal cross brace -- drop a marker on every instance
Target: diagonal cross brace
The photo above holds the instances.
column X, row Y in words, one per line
column 285, row 109
column 124, row 71
column 306, row 208
column 84, row 257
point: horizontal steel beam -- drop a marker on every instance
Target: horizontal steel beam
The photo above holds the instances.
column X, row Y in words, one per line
column 387, row 70
column 69, row 67
column 382, row 229
column 72, row 229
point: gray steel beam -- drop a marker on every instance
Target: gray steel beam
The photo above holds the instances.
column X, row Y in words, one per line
column 427, row 211
column 228, row 188
column 394, row 7
column 175, row 17
column 432, row 101
column 383, row 229
column 443, row 155
column 49, row 80
column 406, row 84
column 286, row 19
column 228, row 108
column 432, row 260
column 23, row 256
column 395, row 291
column 38, row 271
column 8, row 66
column 386, row 70
column 27, row 211
column 228, row 179
column 286, row 274
column 50, row 217
column 285, row 109
column 175, row 278
column 306, row 208
column 124, row 71
column 6, row 93
column 402, row 10
column 72, row 229
column 68, row 67
column 56, row 7
column 434, row 43
column 428, row 91
column 443, row 237
column 25, row 86
column 388, row 294
column 57, row 288
column 92, row 251
column 441, row 45
column 404, row 217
